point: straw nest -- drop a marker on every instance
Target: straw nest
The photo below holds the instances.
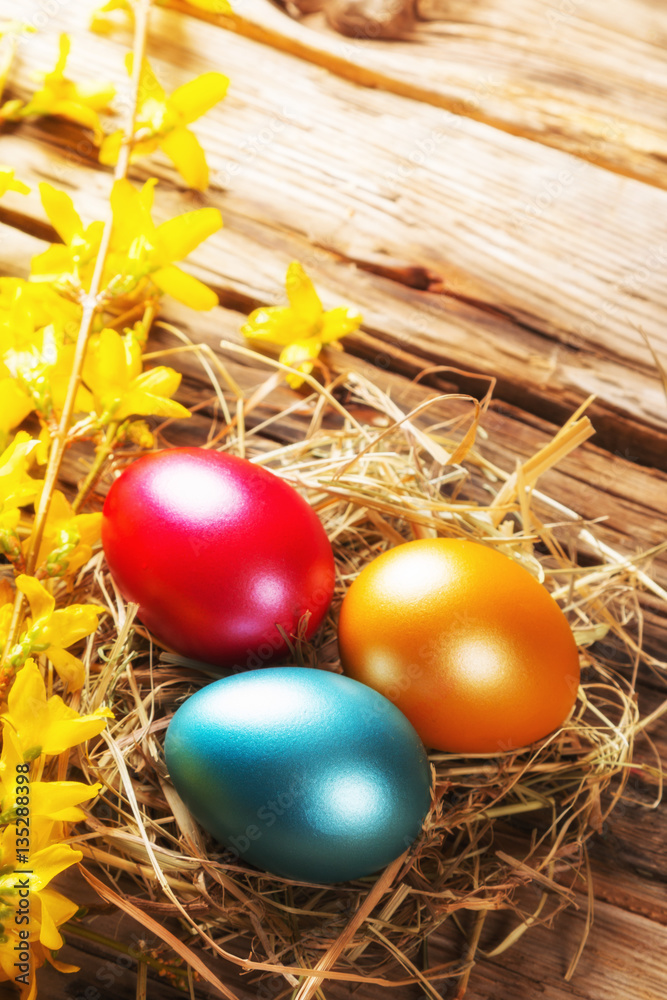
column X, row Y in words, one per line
column 377, row 476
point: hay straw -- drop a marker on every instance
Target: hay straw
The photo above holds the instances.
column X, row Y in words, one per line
column 376, row 482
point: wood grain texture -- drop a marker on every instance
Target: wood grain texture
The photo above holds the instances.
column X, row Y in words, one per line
column 474, row 218
column 586, row 78
column 423, row 198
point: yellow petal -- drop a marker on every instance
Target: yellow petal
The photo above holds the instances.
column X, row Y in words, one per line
column 78, row 558
column 60, row 378
column 300, row 356
column 65, row 626
column 53, row 798
column 130, row 215
column 149, row 86
column 15, row 407
column 144, row 147
column 49, row 862
column 144, row 404
column 65, row 728
column 26, row 704
column 302, row 295
column 59, row 511
column 89, row 527
column 63, row 967
column 148, row 395
column 178, row 237
column 53, row 263
column 44, row 446
column 11, row 757
column 198, row 96
column 63, row 53
column 338, row 323
column 7, row 963
column 61, row 213
column 47, row 727
column 110, row 148
column 9, row 520
column 275, row 325
column 147, row 194
column 17, row 459
column 41, row 602
column 185, row 288
column 69, row 668
column 61, row 517
column 9, row 183
column 106, row 370
column 56, row 909
column 159, row 381
column 185, row 152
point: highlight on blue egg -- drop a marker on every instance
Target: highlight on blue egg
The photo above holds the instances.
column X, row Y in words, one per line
column 303, row 773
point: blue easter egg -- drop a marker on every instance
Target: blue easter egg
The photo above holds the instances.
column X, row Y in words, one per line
column 303, row 773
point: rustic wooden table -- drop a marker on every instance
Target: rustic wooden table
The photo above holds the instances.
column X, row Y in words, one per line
column 491, row 193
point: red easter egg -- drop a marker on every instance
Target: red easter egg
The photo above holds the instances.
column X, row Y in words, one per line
column 217, row 552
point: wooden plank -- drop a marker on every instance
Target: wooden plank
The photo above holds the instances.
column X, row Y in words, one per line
column 609, row 968
column 290, row 199
column 586, row 78
column 536, row 370
column 289, row 188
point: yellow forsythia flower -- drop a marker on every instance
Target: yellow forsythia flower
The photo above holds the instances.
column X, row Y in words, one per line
column 36, row 325
column 303, row 327
column 55, row 801
column 162, row 122
column 73, row 260
column 120, row 389
column 16, row 403
column 17, row 334
column 9, row 183
column 78, row 102
column 68, row 538
column 139, row 248
column 42, row 304
column 52, row 630
column 44, row 725
column 32, row 854
column 49, row 909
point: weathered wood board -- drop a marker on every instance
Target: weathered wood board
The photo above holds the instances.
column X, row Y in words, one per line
column 587, row 78
column 471, row 218
column 432, row 183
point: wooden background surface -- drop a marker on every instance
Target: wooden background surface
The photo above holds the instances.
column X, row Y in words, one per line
column 491, row 193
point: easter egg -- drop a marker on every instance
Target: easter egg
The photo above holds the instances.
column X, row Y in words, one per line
column 465, row 641
column 301, row 772
column 217, row 552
